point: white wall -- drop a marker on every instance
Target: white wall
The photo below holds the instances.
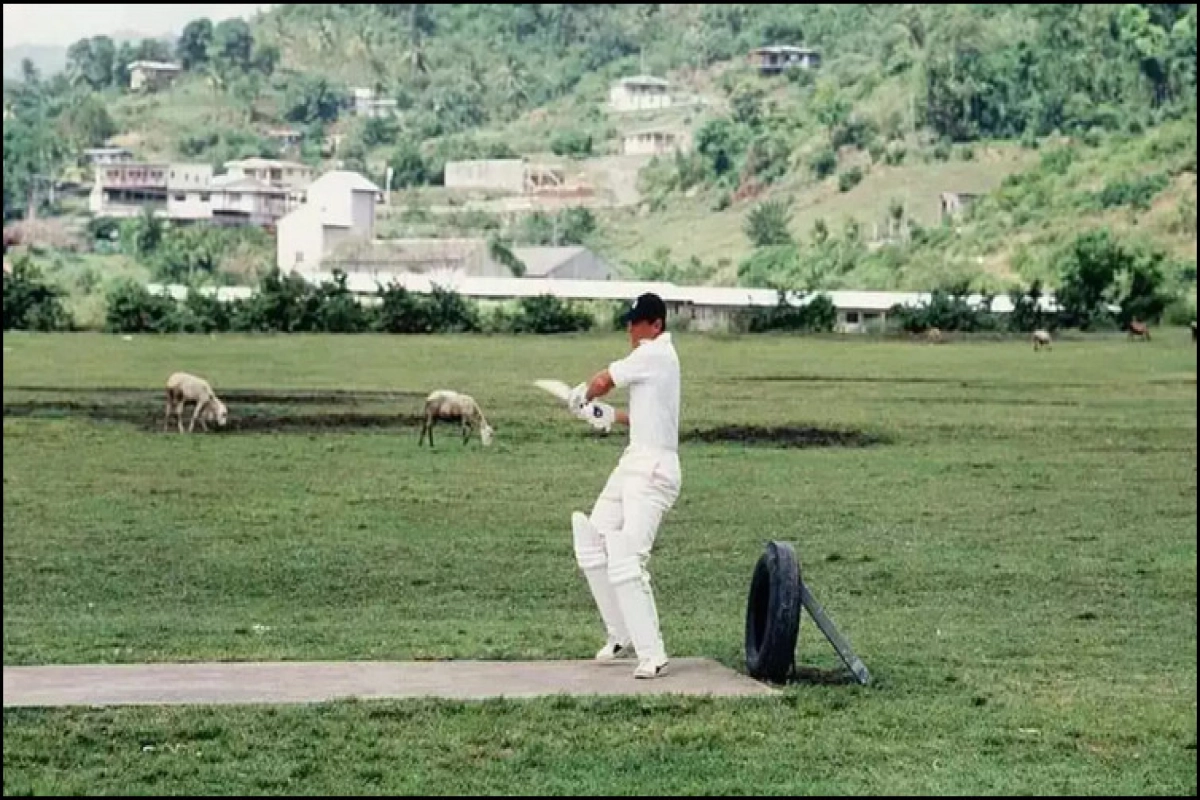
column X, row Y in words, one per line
column 300, row 240
column 362, row 215
column 190, row 205
column 635, row 97
column 507, row 175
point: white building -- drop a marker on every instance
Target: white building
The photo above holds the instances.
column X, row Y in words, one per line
column 501, row 175
column 152, row 75
column 286, row 174
column 654, row 141
column 104, row 156
column 367, row 104
column 339, row 207
column 775, row 59
column 564, row 263
column 639, row 93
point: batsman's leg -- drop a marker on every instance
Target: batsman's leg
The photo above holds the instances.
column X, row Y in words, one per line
column 592, row 556
column 644, row 501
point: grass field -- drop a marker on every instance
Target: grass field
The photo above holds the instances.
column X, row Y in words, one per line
column 1010, row 544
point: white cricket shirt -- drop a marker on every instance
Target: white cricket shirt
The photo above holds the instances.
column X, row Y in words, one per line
column 651, row 372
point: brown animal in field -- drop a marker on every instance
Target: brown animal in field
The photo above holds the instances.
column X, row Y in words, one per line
column 1041, row 338
column 454, row 406
column 1139, row 330
column 183, row 388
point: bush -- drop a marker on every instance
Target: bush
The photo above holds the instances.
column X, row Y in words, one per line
column 895, row 154
column 819, row 315
column 767, row 224
column 823, row 163
column 30, row 303
column 571, row 143
column 849, row 179
column 1133, row 192
column 949, row 310
column 133, row 309
column 549, row 314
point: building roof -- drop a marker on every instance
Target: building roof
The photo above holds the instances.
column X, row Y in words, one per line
column 161, row 66
column 343, row 180
column 785, row 48
column 97, row 151
column 264, row 163
column 540, row 261
column 643, row 80
column 230, row 183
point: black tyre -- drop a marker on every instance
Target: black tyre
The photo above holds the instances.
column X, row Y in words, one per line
column 773, row 614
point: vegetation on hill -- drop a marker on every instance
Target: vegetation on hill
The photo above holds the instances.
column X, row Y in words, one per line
column 1069, row 117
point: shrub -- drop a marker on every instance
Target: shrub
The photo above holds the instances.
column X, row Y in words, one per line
column 30, row 303
column 818, row 315
column 849, row 179
column 571, row 143
column 823, row 163
column 131, row 308
column 549, row 314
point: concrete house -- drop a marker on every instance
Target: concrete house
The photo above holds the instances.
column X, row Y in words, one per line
column 285, row 174
column 564, row 263
column 365, row 103
column 339, row 208
column 123, row 190
column 104, row 156
column 150, row 76
column 954, row 204
column 502, row 175
column 775, row 59
column 654, row 141
column 639, row 93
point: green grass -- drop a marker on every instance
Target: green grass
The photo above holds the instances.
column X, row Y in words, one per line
column 1016, row 564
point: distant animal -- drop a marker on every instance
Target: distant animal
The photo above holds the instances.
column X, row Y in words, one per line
column 934, row 335
column 183, row 388
column 1041, row 339
column 454, row 406
column 1139, row 330
column 1193, row 327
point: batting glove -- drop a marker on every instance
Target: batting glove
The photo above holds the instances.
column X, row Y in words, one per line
column 601, row 416
column 577, row 399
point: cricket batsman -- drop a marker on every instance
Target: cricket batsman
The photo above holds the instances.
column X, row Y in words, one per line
column 613, row 545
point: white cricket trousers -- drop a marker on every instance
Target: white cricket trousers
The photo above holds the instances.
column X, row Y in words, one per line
column 613, row 545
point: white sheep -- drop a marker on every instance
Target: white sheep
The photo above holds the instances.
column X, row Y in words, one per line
column 447, row 405
column 183, row 388
column 1041, row 338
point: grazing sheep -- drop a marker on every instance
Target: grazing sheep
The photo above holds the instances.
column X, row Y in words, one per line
column 447, row 405
column 934, row 335
column 1041, row 339
column 1139, row 330
column 183, row 388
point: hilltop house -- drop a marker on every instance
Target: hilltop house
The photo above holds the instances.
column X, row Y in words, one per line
column 152, row 75
column 774, row 59
column 639, row 93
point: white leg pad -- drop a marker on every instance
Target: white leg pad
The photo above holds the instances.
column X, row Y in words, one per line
column 593, row 560
column 631, row 584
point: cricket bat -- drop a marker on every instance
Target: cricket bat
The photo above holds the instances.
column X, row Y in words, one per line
column 556, row 388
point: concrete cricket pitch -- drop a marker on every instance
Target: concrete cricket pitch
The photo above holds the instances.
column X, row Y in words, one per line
column 313, row 682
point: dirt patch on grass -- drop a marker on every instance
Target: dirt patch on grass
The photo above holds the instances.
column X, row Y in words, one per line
column 250, row 411
column 787, row 436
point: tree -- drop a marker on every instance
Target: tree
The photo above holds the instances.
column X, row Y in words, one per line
column 92, row 62
column 1089, row 267
column 767, row 224
column 194, row 43
column 86, row 122
column 408, row 166
column 232, row 47
column 311, row 98
column 153, row 50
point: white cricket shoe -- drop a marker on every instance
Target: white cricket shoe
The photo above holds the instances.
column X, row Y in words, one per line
column 614, row 650
column 648, row 669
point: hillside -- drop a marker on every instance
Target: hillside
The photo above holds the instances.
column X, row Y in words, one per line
column 1064, row 117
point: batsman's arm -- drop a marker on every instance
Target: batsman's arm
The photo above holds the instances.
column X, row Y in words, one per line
column 600, row 385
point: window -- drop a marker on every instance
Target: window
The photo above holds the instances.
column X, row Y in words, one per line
column 851, row 317
column 204, row 197
column 299, row 256
column 179, row 198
